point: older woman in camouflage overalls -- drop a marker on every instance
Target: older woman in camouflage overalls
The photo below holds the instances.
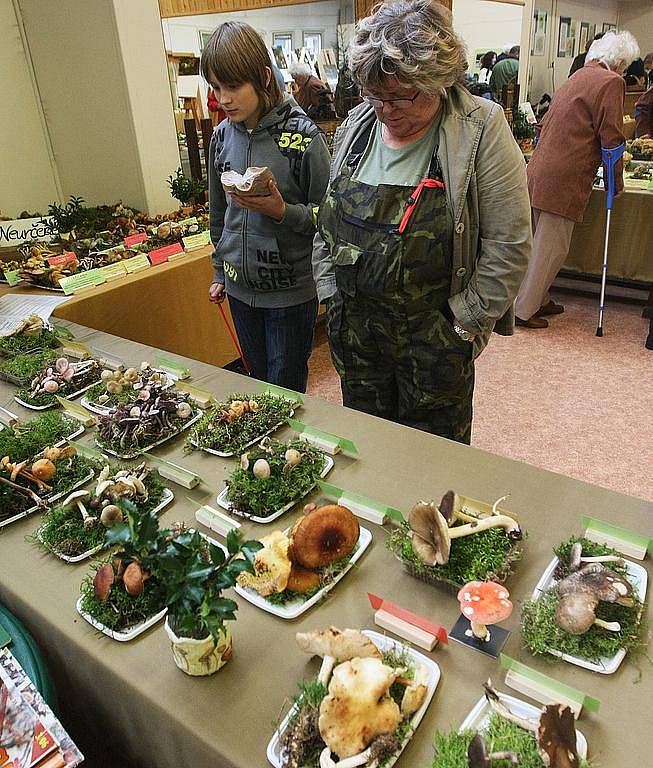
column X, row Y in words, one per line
column 424, row 234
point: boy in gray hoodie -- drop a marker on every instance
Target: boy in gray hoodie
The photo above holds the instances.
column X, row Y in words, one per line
column 263, row 244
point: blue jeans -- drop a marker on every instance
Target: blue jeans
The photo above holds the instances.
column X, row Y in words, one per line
column 276, row 342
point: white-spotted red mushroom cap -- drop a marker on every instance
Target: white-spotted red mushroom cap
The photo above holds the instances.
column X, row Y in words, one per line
column 485, row 602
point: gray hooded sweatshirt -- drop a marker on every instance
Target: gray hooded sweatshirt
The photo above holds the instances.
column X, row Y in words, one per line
column 262, row 262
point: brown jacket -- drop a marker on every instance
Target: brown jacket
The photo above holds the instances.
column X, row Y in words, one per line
column 586, row 114
column 644, row 114
column 315, row 99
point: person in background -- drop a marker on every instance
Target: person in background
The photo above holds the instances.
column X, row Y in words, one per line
column 644, row 115
column 505, row 72
column 487, row 62
column 636, row 75
column 648, row 66
column 312, row 95
column 215, row 110
column 263, row 243
column 579, row 61
column 504, row 53
column 585, row 115
column 424, row 234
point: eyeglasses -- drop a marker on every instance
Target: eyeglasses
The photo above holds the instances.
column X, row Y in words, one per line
column 404, row 103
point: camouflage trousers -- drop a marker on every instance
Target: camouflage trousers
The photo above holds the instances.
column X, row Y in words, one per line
column 402, row 364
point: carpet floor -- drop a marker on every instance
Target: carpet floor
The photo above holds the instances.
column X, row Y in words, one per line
column 561, row 399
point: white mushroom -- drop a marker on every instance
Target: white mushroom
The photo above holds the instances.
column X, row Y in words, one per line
column 336, row 645
column 576, row 558
column 76, row 497
column 261, row 469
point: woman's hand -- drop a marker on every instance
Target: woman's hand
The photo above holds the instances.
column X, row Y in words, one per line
column 216, row 293
column 271, row 205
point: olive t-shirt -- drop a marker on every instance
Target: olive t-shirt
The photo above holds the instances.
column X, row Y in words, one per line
column 404, row 166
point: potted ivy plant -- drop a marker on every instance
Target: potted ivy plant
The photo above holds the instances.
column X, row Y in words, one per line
column 195, row 574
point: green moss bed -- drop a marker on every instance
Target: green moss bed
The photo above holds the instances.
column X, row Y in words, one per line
column 121, row 611
column 30, row 438
column 22, row 343
column 301, row 737
column 22, row 368
column 261, row 497
column 65, row 390
column 501, row 735
column 542, row 635
column 232, row 437
column 485, row 556
column 62, row 530
column 70, row 472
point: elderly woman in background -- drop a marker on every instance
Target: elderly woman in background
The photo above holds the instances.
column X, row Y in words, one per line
column 312, row 95
column 586, row 114
column 424, row 233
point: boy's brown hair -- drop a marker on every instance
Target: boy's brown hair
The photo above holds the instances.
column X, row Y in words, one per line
column 235, row 53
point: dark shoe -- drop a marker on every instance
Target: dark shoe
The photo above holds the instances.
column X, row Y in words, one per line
column 550, row 308
column 533, row 322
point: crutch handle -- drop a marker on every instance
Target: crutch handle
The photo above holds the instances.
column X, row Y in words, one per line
column 610, row 158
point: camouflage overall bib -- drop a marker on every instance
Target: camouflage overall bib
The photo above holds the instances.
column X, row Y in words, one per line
column 389, row 325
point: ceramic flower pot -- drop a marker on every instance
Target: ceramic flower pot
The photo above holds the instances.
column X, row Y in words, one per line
column 200, row 657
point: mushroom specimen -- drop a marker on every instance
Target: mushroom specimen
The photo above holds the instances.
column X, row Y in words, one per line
column 358, row 708
column 334, row 646
column 580, row 594
column 576, row 558
column 555, row 734
column 63, row 373
column 432, row 534
column 323, row 535
column 483, row 603
column 77, row 498
column 477, row 756
column 272, row 566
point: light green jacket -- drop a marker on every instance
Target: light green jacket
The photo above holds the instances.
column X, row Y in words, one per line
column 485, row 178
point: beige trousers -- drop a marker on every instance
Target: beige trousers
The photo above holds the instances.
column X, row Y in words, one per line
column 551, row 240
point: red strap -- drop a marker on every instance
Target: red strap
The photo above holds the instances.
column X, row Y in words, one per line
column 412, row 200
column 233, row 336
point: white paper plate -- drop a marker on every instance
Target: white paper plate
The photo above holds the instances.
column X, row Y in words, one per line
column 103, row 410
column 607, row 665
column 295, row 608
column 48, row 500
column 55, row 403
column 229, row 454
column 222, row 499
column 479, row 718
column 383, row 643
column 148, row 448
column 167, row 498
column 124, row 635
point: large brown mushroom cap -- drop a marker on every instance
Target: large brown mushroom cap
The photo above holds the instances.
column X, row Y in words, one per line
column 102, row 581
column 556, row 737
column 134, row 579
column 575, row 612
column 431, row 540
column 341, row 644
column 301, row 579
column 597, row 580
column 324, row 535
column 358, row 708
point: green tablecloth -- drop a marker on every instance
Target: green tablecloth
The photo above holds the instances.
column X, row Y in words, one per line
column 133, row 695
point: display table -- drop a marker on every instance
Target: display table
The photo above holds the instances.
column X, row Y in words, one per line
column 630, row 254
column 133, row 696
column 165, row 306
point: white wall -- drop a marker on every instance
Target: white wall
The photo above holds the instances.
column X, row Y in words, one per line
column 182, row 34
column 549, row 72
column 637, row 17
column 27, row 178
column 486, row 25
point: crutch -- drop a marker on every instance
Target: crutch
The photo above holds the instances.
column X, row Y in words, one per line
column 610, row 158
column 234, row 338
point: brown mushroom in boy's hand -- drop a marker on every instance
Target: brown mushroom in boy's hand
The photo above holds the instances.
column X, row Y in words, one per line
column 477, row 755
column 483, row 603
column 334, row 646
column 358, row 708
column 431, row 535
column 76, row 497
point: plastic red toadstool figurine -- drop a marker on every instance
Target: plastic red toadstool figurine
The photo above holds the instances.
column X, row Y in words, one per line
column 483, row 603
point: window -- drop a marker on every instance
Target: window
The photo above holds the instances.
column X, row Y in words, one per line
column 313, row 42
column 283, row 40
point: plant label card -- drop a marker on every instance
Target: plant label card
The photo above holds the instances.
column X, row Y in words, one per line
column 8, row 418
column 412, row 627
column 113, row 271
column 462, row 633
column 136, row 263
column 627, row 542
column 202, row 398
column 131, row 240
column 172, row 366
column 187, row 222
column 326, row 441
column 197, row 241
column 161, row 255
column 12, row 277
column 77, row 349
column 62, row 259
column 76, row 411
column 81, row 281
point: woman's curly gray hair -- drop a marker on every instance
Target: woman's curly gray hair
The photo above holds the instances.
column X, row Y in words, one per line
column 412, row 40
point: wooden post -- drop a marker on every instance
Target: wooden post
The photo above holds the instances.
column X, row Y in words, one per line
column 206, row 126
column 193, row 147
